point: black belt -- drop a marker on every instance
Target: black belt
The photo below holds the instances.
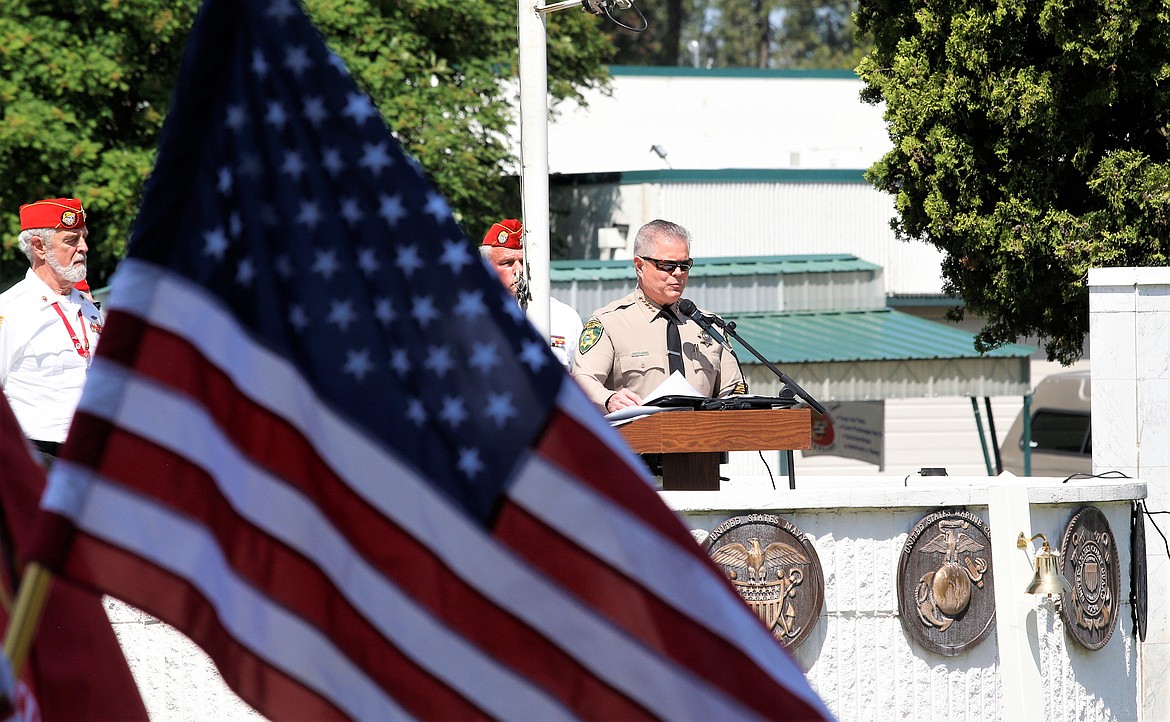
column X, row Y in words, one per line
column 47, row 447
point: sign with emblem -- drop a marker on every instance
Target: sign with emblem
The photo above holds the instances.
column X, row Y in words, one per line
column 945, row 596
column 774, row 567
column 1089, row 560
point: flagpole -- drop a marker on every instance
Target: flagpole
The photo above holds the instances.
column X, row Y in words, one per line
column 533, row 55
column 26, row 615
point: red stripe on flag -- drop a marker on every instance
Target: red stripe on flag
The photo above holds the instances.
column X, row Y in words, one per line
column 156, row 591
column 415, row 568
column 647, row 618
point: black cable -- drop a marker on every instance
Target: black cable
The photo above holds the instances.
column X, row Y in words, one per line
column 620, row 24
column 767, row 468
column 1105, row 475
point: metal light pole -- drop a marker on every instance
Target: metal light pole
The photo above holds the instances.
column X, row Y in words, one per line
column 534, row 159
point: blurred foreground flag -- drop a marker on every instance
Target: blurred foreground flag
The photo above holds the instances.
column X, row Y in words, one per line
column 75, row 669
column 321, row 440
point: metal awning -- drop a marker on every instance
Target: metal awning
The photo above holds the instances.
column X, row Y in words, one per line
column 876, row 354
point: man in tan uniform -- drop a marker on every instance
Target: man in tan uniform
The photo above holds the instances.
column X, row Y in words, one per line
column 624, row 353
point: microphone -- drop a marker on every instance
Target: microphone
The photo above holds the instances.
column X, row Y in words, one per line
column 688, row 308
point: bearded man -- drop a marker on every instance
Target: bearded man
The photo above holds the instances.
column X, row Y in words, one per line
column 48, row 328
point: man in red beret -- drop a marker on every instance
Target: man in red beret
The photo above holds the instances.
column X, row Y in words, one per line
column 48, row 328
column 503, row 251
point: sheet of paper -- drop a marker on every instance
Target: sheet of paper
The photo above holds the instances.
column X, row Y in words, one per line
column 674, row 385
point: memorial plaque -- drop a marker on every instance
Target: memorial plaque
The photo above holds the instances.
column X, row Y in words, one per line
column 775, row 569
column 945, row 596
column 1089, row 560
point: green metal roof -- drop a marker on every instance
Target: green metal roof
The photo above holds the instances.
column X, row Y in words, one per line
column 877, row 335
column 579, row 270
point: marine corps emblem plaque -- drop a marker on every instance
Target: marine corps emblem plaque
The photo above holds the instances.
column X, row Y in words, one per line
column 775, row 569
column 945, row 597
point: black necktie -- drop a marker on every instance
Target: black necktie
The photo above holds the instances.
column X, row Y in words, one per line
column 673, row 343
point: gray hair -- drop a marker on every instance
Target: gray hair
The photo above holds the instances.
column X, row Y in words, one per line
column 45, row 234
column 657, row 230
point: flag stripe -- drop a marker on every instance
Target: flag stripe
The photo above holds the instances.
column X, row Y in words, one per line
column 173, row 543
column 150, row 587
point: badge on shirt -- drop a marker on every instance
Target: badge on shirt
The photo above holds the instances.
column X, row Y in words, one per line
column 590, row 335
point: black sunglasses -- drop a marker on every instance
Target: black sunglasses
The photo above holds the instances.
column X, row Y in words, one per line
column 669, row 266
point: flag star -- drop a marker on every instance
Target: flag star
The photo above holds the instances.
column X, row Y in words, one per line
column 453, row 412
column 484, row 358
column 470, row 305
column 408, row 260
column 297, row 317
column 455, row 255
column 535, row 354
column 276, row 116
column 332, row 161
column 245, row 272
column 337, row 63
column 375, row 157
column 439, row 360
column 325, row 263
column 416, row 412
column 235, row 225
column 384, row 311
column 341, row 313
column 437, row 207
column 236, row 118
column 297, row 60
column 500, row 408
column 351, row 211
column 284, row 266
column 359, row 107
column 259, row 64
column 314, row 110
column 216, row 243
column 469, row 462
column 513, row 309
column 293, row 166
column 367, row 260
column 423, row 310
column 224, row 182
column 400, row 361
column 280, row 9
column 309, row 215
column 357, row 364
column 391, row 209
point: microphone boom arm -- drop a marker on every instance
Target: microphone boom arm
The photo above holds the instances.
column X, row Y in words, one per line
column 729, row 329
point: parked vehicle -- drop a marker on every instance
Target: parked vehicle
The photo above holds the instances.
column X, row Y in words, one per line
column 1062, row 435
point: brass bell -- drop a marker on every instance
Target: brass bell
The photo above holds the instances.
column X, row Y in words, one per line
column 1048, row 579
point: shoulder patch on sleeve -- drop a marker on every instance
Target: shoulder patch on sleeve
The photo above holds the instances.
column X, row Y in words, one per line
column 590, row 335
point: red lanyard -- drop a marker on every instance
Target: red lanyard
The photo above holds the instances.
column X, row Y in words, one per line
column 82, row 348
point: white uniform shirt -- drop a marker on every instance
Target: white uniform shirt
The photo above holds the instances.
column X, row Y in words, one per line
column 41, row 370
column 564, row 330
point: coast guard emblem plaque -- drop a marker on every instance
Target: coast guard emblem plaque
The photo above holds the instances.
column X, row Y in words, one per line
column 945, row 597
column 775, row 569
column 1089, row 561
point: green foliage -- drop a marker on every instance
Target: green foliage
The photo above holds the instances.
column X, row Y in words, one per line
column 84, row 88
column 1030, row 144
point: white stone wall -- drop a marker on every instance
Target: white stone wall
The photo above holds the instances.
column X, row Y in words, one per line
column 858, row 657
column 1129, row 323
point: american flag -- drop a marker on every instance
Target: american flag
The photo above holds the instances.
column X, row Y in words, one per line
column 321, row 440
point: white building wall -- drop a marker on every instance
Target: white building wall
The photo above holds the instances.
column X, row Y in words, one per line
column 1129, row 322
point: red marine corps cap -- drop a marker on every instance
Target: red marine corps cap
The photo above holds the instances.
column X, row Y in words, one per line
column 505, row 234
column 52, row 213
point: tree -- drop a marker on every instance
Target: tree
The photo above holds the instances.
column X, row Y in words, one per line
column 84, row 88
column 1030, row 144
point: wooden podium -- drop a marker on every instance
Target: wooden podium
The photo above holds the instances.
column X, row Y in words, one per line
column 691, row 441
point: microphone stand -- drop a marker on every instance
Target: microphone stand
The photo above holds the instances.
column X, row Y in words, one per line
column 729, row 328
